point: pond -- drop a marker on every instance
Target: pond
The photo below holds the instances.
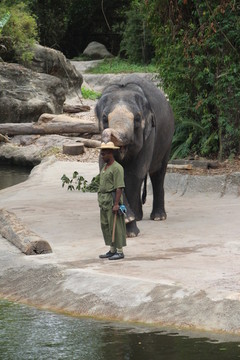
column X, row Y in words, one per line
column 27, row 333
column 11, row 175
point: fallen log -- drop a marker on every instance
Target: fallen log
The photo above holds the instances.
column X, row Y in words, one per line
column 12, row 229
column 180, row 167
column 4, row 138
column 65, row 118
column 203, row 164
column 89, row 142
column 75, row 108
column 61, row 127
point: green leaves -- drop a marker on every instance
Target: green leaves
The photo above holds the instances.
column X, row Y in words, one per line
column 89, row 94
column 77, row 182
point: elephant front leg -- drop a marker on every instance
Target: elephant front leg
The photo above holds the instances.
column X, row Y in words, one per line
column 131, row 198
column 131, row 224
column 132, row 229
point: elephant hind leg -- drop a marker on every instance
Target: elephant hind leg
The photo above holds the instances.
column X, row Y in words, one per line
column 157, row 179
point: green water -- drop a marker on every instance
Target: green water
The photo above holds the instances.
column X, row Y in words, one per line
column 11, row 175
column 30, row 334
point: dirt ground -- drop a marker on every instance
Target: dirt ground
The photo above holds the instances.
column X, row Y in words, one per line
column 223, row 168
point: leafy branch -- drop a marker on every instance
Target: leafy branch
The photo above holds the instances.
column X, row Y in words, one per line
column 78, row 182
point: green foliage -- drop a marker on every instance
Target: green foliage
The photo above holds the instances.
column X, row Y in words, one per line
column 21, row 28
column 117, row 65
column 136, row 41
column 197, row 47
column 89, row 94
column 3, row 20
column 77, row 182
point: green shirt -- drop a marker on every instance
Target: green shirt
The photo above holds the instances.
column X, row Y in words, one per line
column 110, row 179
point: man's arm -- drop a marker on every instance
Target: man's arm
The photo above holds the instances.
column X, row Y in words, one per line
column 117, row 199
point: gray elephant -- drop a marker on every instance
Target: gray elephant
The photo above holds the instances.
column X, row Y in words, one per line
column 136, row 116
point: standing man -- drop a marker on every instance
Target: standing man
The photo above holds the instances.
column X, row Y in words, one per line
column 109, row 197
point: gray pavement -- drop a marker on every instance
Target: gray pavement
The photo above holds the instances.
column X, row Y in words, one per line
column 183, row 272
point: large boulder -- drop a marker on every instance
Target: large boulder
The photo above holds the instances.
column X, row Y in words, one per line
column 25, row 94
column 53, row 62
column 95, row 50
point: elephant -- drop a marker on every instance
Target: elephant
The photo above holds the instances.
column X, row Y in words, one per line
column 136, row 116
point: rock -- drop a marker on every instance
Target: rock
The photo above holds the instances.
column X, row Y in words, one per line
column 25, row 94
column 30, row 150
column 53, row 62
column 95, row 50
column 25, row 156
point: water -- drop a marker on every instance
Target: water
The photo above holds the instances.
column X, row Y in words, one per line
column 11, row 175
column 30, row 334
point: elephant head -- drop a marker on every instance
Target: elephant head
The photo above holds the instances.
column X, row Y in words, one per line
column 125, row 118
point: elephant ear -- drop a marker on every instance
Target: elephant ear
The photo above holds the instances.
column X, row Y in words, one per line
column 149, row 124
column 99, row 111
column 148, row 116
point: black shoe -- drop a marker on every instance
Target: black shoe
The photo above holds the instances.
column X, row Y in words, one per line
column 107, row 255
column 117, row 256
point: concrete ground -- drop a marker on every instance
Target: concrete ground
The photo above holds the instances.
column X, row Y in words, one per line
column 183, row 272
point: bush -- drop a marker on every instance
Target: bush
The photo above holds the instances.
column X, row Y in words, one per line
column 89, row 94
column 20, row 28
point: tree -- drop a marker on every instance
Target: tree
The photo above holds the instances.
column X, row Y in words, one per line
column 136, row 41
column 197, row 45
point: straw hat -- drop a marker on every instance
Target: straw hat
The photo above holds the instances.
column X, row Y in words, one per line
column 108, row 145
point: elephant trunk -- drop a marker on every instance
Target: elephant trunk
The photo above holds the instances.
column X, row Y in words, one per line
column 117, row 137
column 121, row 127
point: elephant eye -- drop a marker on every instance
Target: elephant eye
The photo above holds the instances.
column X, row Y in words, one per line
column 137, row 117
column 105, row 121
column 137, row 120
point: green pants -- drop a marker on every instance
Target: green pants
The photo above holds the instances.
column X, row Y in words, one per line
column 106, row 219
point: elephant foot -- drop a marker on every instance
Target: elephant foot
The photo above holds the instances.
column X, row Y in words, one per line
column 158, row 216
column 129, row 219
column 132, row 229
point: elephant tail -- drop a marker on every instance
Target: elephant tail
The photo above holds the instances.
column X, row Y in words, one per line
column 144, row 193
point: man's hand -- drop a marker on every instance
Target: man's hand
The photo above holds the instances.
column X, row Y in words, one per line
column 115, row 208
